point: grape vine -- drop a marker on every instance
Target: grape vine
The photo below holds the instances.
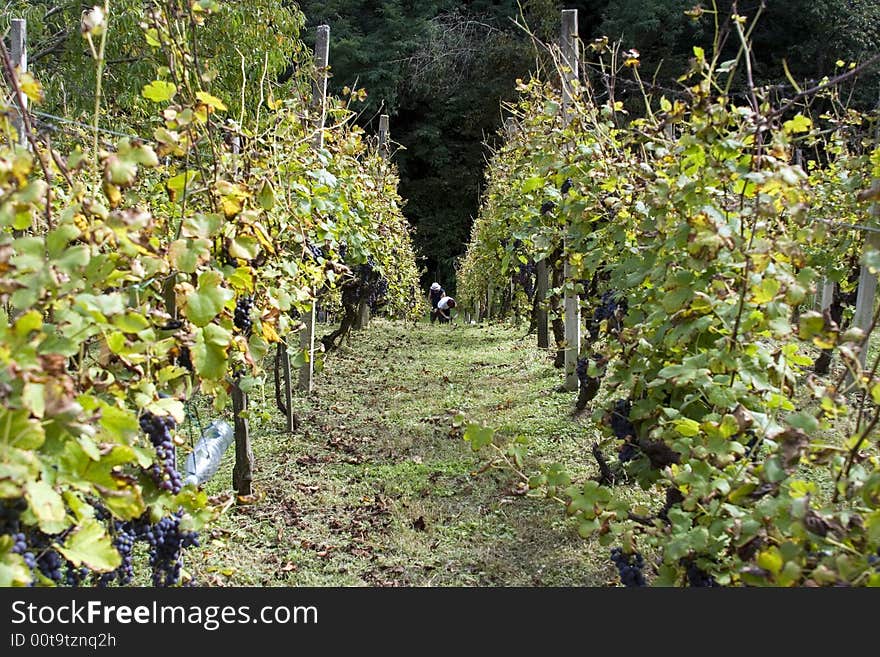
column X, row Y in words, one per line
column 697, row 233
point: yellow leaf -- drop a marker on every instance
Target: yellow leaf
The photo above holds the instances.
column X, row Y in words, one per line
column 211, row 101
column 31, row 87
column 231, row 205
column 263, row 237
column 269, row 332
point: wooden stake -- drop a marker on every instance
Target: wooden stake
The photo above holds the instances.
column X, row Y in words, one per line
column 243, row 471
column 542, row 280
column 288, row 387
column 363, row 315
column 319, row 105
column 867, row 293
column 570, row 63
column 384, row 148
column 18, row 52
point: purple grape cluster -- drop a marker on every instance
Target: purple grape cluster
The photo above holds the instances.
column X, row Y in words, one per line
column 697, row 577
column 582, row 370
column 378, row 293
column 125, row 536
column 629, row 567
column 10, row 515
column 49, row 563
column 316, row 251
column 371, row 285
column 10, row 524
column 167, row 542
column 627, row 452
column 74, row 576
column 183, row 358
column 20, row 546
column 164, row 470
column 612, row 307
column 242, row 315
column 525, row 278
column 620, row 424
column 624, row 430
column 753, row 446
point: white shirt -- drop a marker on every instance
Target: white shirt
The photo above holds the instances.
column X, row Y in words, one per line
column 443, row 304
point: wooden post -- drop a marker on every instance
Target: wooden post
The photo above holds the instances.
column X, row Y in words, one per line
column 288, row 385
column 570, row 63
column 489, row 292
column 384, row 148
column 864, row 315
column 363, row 315
column 18, row 51
column 319, row 105
column 243, row 471
column 867, row 293
column 542, row 283
column 827, row 295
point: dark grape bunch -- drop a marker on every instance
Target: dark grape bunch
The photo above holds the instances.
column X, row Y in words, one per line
column 589, row 385
column 566, row 186
column 167, row 542
column 525, row 277
column 164, row 471
column 20, row 546
column 314, row 250
column 627, row 452
column 582, row 369
column 10, row 515
column 183, row 358
column 74, row 576
column 126, row 534
column 547, row 206
column 623, row 429
column 378, row 293
column 697, row 577
column 242, row 315
column 620, row 424
column 371, row 285
column 10, row 524
column 629, row 567
column 752, row 446
column 50, row 563
column 612, row 307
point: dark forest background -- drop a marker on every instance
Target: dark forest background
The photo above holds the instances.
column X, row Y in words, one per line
column 442, row 69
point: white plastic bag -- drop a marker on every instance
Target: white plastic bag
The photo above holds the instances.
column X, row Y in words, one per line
column 203, row 461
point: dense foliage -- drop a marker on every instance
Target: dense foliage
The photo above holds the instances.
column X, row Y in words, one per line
column 440, row 69
column 140, row 272
column 709, row 215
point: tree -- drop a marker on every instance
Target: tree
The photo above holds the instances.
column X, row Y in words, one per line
column 254, row 40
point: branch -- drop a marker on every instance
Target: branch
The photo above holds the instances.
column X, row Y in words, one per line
column 28, row 127
column 812, row 91
column 55, row 43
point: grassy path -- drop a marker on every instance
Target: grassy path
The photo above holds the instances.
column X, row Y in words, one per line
column 372, row 490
